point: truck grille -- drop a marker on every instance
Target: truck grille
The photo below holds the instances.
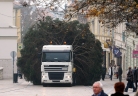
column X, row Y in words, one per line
column 56, row 75
column 57, row 65
column 60, row 68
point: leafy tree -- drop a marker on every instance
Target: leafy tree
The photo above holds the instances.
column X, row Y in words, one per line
column 87, row 49
column 110, row 12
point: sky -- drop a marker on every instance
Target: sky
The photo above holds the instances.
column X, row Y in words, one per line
column 43, row 3
column 60, row 4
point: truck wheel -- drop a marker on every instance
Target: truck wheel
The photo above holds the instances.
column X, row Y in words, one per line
column 74, row 82
column 44, row 85
column 74, row 79
column 70, row 85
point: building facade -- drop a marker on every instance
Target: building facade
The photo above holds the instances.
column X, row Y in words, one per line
column 131, row 44
column 97, row 28
column 119, row 45
column 114, row 40
column 17, row 23
column 8, row 38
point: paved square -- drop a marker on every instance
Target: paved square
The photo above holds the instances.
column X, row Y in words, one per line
column 23, row 88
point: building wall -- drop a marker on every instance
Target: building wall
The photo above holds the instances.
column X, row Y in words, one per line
column 100, row 33
column 8, row 44
column 8, row 38
column 126, row 43
column 131, row 43
column 7, row 64
column 6, row 14
column 113, row 34
column 17, row 13
column 119, row 42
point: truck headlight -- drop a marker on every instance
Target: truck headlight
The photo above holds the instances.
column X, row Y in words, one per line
column 68, row 76
column 44, row 76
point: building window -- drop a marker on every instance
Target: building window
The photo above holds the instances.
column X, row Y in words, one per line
column 119, row 61
column 93, row 26
column 123, row 36
column 113, row 33
column 98, row 28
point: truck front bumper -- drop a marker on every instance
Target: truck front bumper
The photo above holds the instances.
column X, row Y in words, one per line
column 66, row 79
column 57, row 81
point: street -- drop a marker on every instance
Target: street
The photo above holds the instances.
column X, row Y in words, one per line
column 23, row 88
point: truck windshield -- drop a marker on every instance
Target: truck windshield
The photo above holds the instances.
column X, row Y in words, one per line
column 56, row 57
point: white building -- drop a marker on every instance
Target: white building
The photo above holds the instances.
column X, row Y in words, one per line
column 126, row 41
column 120, row 43
column 8, row 38
column 117, row 38
column 131, row 44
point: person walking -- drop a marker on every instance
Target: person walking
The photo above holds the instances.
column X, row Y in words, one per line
column 120, row 73
column 116, row 71
column 130, row 80
column 98, row 89
column 110, row 71
column 136, row 77
column 19, row 73
column 133, row 70
column 103, row 72
column 119, row 89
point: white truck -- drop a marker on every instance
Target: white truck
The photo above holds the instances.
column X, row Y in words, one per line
column 57, row 64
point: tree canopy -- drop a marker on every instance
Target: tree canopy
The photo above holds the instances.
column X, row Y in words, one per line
column 110, row 12
column 88, row 51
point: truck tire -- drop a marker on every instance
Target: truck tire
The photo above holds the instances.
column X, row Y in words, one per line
column 70, row 85
column 74, row 79
column 74, row 82
column 44, row 85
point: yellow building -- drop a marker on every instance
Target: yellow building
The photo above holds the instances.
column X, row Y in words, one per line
column 104, row 35
column 17, row 20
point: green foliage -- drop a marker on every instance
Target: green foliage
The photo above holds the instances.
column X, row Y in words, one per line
column 87, row 49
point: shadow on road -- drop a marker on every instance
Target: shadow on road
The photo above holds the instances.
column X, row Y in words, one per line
column 57, row 85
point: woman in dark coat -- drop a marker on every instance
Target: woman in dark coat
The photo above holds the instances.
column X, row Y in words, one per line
column 130, row 81
column 119, row 89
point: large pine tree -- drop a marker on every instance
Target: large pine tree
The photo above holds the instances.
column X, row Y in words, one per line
column 87, row 49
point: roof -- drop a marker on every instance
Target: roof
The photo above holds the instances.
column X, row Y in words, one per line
column 57, row 47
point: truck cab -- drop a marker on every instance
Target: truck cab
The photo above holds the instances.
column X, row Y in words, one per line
column 57, row 64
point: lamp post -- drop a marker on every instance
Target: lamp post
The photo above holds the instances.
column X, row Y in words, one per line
column 13, row 55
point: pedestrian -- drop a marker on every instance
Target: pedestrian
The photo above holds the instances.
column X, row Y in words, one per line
column 119, row 89
column 110, row 71
column 20, row 74
column 120, row 73
column 116, row 71
column 134, row 70
column 136, row 77
column 130, row 81
column 98, row 89
column 103, row 72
